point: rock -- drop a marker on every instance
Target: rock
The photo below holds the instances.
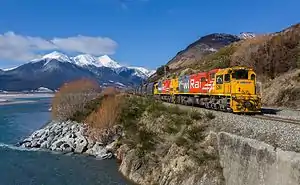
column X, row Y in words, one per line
column 66, row 148
column 35, row 144
column 80, row 144
column 104, row 155
column 91, row 143
column 56, row 145
column 112, row 146
column 96, row 149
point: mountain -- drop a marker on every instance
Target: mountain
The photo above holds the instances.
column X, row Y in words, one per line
column 205, row 45
column 275, row 57
column 54, row 69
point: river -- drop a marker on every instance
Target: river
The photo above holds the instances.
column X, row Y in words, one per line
column 24, row 167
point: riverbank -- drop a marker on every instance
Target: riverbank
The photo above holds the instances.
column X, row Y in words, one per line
column 10, row 98
column 157, row 143
column 68, row 137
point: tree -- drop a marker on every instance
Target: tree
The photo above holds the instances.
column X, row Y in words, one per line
column 161, row 70
column 73, row 97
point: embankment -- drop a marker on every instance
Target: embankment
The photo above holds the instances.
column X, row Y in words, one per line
column 175, row 145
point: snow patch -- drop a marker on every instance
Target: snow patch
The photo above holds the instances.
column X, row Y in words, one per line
column 86, row 60
column 106, row 61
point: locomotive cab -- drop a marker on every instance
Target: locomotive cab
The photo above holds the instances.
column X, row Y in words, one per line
column 239, row 85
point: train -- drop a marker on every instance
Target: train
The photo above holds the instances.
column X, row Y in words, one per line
column 232, row 89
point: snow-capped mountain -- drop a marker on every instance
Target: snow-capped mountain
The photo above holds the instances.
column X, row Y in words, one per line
column 108, row 62
column 54, row 69
column 54, row 55
column 87, row 60
column 247, row 35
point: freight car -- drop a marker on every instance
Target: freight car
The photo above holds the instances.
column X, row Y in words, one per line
column 231, row 89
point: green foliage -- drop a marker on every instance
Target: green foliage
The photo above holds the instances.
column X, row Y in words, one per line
column 196, row 132
column 195, row 115
column 135, row 136
column 161, row 70
column 176, row 110
column 156, row 109
column 209, row 115
column 220, row 59
column 181, row 141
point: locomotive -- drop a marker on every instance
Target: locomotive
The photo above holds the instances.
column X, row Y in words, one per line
column 231, row 89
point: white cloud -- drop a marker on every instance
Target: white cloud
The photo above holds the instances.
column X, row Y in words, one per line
column 16, row 47
column 84, row 44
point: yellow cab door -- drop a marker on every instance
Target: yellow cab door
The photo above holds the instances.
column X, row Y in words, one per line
column 227, row 84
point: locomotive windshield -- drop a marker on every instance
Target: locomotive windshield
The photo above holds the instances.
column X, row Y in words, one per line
column 240, row 74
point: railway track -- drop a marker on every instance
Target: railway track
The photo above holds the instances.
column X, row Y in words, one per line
column 258, row 116
column 279, row 119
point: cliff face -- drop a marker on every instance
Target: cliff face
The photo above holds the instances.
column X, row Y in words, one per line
column 243, row 161
column 175, row 167
column 250, row 162
column 166, row 145
column 175, row 145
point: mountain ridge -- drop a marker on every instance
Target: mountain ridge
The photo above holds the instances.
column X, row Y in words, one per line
column 54, row 69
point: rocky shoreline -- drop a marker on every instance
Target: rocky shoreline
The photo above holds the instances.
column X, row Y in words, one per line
column 67, row 137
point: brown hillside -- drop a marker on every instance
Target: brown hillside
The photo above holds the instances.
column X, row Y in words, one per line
column 274, row 57
column 270, row 55
column 202, row 47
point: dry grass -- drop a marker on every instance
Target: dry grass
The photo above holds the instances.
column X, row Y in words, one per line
column 72, row 97
column 102, row 122
column 108, row 113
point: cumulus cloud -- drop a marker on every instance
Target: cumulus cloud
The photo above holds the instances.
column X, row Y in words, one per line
column 84, row 44
column 16, row 47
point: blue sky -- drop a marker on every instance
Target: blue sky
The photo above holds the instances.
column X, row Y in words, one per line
column 135, row 32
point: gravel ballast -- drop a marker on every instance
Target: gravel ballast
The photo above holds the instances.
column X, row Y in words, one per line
column 278, row 134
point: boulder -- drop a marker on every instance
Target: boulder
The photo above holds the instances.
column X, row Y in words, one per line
column 80, row 144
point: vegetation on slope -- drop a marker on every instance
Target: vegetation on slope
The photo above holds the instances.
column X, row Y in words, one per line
column 156, row 135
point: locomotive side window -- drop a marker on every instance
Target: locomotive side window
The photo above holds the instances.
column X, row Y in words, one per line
column 253, row 77
column 227, row 78
column 240, row 74
column 219, row 79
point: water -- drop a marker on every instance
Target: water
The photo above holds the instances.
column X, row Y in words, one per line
column 23, row 167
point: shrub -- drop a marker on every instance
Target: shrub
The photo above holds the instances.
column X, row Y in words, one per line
column 194, row 114
column 73, row 97
column 196, row 132
column 107, row 114
column 209, row 115
column 91, row 106
column 181, row 141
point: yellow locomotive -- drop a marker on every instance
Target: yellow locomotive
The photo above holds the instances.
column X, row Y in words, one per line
column 231, row 89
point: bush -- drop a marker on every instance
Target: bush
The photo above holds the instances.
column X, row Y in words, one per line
column 161, row 70
column 72, row 97
column 107, row 114
column 195, row 115
column 209, row 115
column 91, row 106
column 196, row 132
